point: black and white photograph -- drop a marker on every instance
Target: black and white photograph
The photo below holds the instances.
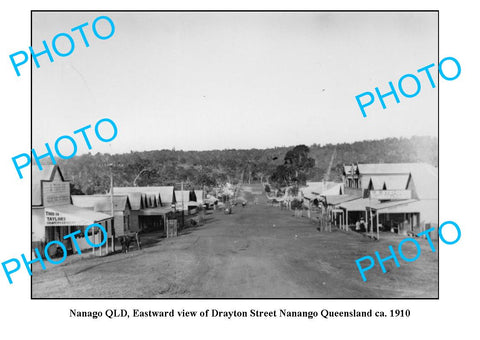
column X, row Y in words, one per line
column 235, row 154
column 239, row 169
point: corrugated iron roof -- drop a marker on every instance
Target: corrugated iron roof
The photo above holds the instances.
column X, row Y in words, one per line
column 120, row 203
column 358, row 204
column 424, row 182
column 188, row 195
column 412, row 207
column 167, row 195
column 337, row 199
column 199, row 195
column 85, row 201
column 102, row 202
column 135, row 199
column 321, row 188
column 389, row 204
column 396, row 182
column 164, row 194
column 386, row 168
column 390, row 182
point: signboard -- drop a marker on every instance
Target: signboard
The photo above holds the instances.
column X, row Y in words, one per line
column 55, row 219
column 390, row 195
column 55, row 193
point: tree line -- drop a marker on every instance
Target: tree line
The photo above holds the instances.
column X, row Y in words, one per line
column 90, row 173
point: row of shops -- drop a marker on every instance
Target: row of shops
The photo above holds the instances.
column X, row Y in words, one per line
column 394, row 197
column 401, row 198
column 56, row 213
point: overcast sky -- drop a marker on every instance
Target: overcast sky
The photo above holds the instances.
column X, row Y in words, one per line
column 200, row 81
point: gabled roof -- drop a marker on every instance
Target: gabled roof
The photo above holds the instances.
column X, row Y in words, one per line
column 47, row 174
column 85, row 201
column 188, row 195
column 138, row 196
column 376, row 183
column 120, row 203
column 386, row 168
column 334, row 189
column 350, row 169
column 391, row 182
column 164, row 194
column 151, row 199
column 423, row 182
column 396, row 182
column 167, row 195
column 199, row 195
column 321, row 188
column 135, row 199
column 102, row 202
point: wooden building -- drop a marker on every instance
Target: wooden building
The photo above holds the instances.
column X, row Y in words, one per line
column 395, row 197
column 54, row 216
column 151, row 206
column 186, row 200
column 102, row 203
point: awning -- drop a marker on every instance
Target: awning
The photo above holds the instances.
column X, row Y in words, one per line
column 337, row 199
column 186, row 205
column 70, row 215
column 359, row 204
column 401, row 207
column 158, row 211
column 390, row 204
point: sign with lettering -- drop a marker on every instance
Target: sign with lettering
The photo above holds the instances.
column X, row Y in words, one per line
column 55, row 218
column 55, row 193
column 390, row 195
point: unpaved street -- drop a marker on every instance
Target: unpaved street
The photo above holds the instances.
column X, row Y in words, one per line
column 259, row 251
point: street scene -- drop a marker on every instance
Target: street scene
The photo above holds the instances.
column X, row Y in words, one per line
column 258, row 251
column 226, row 155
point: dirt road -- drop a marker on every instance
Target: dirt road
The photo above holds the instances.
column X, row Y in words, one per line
column 258, row 251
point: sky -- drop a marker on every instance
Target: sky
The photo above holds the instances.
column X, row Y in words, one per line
column 224, row 80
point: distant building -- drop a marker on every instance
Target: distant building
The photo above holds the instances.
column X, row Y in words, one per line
column 151, row 206
column 199, row 195
column 163, row 196
column 186, row 200
column 314, row 192
column 359, row 178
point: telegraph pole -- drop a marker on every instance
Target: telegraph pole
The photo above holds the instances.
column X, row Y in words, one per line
column 111, row 209
column 183, row 206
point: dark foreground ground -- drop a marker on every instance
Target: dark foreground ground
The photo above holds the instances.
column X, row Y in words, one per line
column 257, row 252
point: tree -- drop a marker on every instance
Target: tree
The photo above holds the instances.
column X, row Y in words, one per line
column 74, row 190
column 282, row 176
column 267, row 188
column 205, row 179
column 298, row 160
column 295, row 167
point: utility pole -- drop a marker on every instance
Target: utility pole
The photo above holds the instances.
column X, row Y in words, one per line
column 183, row 206
column 111, row 209
column 181, row 189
